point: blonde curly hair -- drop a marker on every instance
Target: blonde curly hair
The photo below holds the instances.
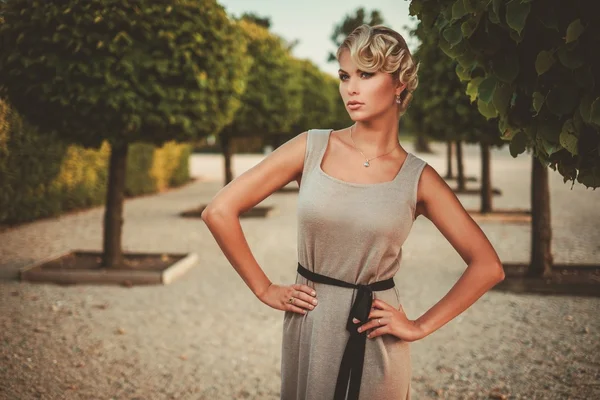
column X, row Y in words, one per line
column 379, row 48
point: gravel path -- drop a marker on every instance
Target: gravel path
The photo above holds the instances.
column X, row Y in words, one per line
column 207, row 337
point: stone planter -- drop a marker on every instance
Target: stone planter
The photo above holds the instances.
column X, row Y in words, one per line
column 255, row 212
column 499, row 215
column 84, row 267
column 566, row 279
column 495, row 191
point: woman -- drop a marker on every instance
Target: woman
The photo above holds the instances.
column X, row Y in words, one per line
column 345, row 334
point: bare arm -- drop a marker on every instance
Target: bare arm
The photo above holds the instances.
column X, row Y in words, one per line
column 222, row 214
column 438, row 203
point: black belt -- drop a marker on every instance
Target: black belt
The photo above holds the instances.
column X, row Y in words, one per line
column 354, row 355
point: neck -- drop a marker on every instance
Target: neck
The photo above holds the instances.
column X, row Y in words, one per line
column 375, row 137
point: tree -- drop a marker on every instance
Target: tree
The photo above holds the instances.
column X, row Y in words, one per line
column 446, row 112
column 265, row 22
column 121, row 72
column 272, row 100
column 351, row 22
column 319, row 97
column 534, row 65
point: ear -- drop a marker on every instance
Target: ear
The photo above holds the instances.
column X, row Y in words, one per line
column 400, row 88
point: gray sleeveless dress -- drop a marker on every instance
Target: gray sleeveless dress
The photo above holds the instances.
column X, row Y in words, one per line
column 353, row 232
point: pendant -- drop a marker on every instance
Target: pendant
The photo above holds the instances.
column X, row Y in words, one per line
column 366, row 164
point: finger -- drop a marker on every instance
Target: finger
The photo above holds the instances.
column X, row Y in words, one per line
column 304, row 288
column 374, row 323
column 298, row 302
column 377, row 303
column 302, row 299
column 293, row 308
column 385, row 329
column 377, row 313
column 308, row 299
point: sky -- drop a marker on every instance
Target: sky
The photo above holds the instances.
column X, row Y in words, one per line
column 312, row 22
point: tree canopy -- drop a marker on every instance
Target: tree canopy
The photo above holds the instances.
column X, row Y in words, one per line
column 272, row 100
column 122, row 71
column 534, row 65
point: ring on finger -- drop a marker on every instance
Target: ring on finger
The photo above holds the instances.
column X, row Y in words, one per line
column 379, row 321
column 291, row 300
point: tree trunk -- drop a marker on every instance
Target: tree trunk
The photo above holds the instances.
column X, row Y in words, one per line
column 422, row 144
column 449, row 172
column 226, row 148
column 461, row 185
column 112, row 255
column 486, row 179
column 541, row 228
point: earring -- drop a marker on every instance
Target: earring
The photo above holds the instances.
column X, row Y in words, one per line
column 398, row 99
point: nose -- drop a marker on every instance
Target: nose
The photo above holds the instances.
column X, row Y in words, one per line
column 352, row 86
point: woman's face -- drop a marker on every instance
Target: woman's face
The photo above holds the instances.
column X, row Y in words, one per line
column 373, row 92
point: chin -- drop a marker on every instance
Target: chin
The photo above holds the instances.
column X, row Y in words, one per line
column 358, row 117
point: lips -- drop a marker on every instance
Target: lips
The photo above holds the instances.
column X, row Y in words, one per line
column 354, row 105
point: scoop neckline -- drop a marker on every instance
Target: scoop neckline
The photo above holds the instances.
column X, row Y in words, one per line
column 358, row 184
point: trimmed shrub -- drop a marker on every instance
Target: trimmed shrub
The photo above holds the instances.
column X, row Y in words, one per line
column 40, row 176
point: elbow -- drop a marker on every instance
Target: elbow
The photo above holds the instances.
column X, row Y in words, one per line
column 207, row 213
column 500, row 274
column 210, row 212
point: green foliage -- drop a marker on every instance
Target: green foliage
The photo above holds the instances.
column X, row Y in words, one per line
column 41, row 176
column 534, row 64
column 440, row 107
column 122, row 71
column 319, row 97
column 272, row 100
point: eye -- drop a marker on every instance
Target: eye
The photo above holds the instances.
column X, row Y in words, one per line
column 368, row 74
column 343, row 77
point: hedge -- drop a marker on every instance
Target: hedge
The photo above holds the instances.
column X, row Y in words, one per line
column 42, row 177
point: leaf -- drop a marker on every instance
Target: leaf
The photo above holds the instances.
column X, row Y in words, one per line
column 450, row 51
column 549, row 128
column 473, row 88
column 453, row 34
column 547, row 16
column 467, row 60
column 518, row 144
column 502, row 96
column 487, row 110
column 516, row 14
column 538, row 101
column 590, row 179
column 458, row 9
column 585, row 108
column 486, row 89
column 574, row 30
column 595, row 112
column 469, row 26
column 570, row 57
column 551, row 148
column 567, row 138
column 462, row 73
column 545, row 59
column 505, row 132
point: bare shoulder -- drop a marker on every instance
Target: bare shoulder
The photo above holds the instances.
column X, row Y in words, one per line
column 276, row 170
column 430, row 185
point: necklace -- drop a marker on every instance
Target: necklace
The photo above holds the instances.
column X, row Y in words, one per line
column 366, row 163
